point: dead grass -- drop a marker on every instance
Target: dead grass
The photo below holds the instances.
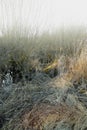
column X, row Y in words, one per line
column 78, row 71
column 45, row 115
column 23, row 106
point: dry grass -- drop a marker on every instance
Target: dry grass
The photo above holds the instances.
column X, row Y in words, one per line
column 41, row 105
column 78, row 70
column 39, row 50
column 45, row 115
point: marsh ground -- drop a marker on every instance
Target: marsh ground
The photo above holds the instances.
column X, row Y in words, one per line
column 49, row 88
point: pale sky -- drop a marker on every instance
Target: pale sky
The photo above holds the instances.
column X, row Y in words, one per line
column 42, row 14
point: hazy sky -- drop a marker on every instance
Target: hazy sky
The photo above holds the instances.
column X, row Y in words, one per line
column 42, row 14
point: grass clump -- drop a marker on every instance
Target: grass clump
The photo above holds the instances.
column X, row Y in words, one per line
column 35, row 101
column 23, row 53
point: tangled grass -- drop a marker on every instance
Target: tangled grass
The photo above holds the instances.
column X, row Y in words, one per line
column 56, row 97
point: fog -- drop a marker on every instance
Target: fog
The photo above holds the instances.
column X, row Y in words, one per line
column 42, row 14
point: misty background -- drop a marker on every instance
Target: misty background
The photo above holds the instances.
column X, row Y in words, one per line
column 42, row 15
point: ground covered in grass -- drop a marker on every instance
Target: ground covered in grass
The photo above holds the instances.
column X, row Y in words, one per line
column 45, row 106
column 49, row 81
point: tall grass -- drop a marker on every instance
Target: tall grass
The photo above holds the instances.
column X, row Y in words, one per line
column 26, row 51
column 63, row 50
